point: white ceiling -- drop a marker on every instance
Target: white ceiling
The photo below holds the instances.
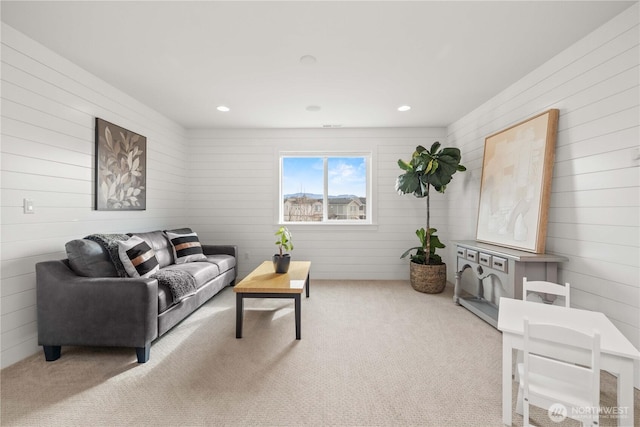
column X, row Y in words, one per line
column 185, row 58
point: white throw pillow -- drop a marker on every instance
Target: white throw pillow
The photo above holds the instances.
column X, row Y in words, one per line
column 186, row 247
column 138, row 258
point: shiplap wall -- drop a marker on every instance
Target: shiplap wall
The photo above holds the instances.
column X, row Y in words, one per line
column 594, row 211
column 233, row 197
column 48, row 110
column 228, row 178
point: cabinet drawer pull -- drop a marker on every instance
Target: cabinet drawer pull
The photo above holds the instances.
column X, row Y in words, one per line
column 485, row 259
column 499, row 264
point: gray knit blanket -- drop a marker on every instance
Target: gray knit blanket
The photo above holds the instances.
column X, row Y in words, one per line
column 109, row 243
column 181, row 284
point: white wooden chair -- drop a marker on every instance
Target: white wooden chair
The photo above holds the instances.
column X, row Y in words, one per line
column 543, row 289
column 548, row 376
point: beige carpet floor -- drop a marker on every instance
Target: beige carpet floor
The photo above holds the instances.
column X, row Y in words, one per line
column 372, row 354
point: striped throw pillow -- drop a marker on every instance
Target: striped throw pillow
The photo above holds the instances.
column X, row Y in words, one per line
column 186, row 247
column 138, row 258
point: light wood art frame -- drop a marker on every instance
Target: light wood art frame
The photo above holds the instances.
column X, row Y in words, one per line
column 516, row 184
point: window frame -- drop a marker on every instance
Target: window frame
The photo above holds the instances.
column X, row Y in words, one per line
column 325, row 155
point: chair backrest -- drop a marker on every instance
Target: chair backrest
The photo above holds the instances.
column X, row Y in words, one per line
column 549, row 351
column 546, row 288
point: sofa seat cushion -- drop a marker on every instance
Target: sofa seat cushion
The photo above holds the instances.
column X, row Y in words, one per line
column 201, row 271
column 224, row 262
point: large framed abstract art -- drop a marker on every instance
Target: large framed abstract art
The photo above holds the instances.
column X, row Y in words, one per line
column 516, row 184
column 120, row 168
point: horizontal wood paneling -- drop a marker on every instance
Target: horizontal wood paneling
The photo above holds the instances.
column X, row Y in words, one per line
column 595, row 210
column 223, row 183
column 49, row 107
column 234, row 190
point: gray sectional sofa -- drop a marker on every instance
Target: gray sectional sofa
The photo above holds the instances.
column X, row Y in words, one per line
column 88, row 299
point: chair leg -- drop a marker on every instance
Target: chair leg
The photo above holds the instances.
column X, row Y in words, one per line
column 520, row 397
column 519, row 401
column 525, row 413
column 519, row 360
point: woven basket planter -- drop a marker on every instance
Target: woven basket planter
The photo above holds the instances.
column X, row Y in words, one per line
column 430, row 279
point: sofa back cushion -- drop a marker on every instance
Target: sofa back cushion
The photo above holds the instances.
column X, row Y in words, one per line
column 160, row 245
column 87, row 258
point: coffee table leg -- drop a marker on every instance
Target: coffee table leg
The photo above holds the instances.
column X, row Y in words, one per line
column 307, row 286
column 298, row 307
column 239, row 314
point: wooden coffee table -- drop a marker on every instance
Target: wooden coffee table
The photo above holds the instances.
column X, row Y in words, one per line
column 263, row 282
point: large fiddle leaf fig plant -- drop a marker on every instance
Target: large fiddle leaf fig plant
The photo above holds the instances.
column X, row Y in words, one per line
column 428, row 168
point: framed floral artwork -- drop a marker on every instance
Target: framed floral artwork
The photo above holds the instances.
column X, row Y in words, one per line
column 120, row 169
column 516, row 184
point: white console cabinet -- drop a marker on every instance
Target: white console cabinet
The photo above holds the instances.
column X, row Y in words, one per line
column 504, row 269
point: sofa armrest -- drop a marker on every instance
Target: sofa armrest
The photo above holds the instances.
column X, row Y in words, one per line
column 109, row 311
column 221, row 250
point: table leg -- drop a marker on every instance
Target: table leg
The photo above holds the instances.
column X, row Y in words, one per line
column 456, row 288
column 625, row 393
column 239, row 314
column 298, row 317
column 506, row 379
column 307, row 286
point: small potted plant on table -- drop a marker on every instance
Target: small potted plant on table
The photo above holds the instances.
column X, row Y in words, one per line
column 281, row 260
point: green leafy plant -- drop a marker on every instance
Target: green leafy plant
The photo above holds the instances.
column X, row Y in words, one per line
column 428, row 168
column 420, row 257
column 284, row 242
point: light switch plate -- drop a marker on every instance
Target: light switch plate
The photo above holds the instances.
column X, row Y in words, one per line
column 28, row 206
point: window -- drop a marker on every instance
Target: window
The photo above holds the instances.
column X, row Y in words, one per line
column 323, row 188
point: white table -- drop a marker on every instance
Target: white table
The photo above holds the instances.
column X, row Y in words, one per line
column 617, row 353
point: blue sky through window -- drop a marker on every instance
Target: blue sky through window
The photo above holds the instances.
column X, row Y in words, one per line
column 302, row 175
column 346, row 175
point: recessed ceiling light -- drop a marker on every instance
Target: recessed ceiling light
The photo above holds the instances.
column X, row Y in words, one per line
column 404, row 108
column 308, row 59
column 313, row 108
column 223, row 108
